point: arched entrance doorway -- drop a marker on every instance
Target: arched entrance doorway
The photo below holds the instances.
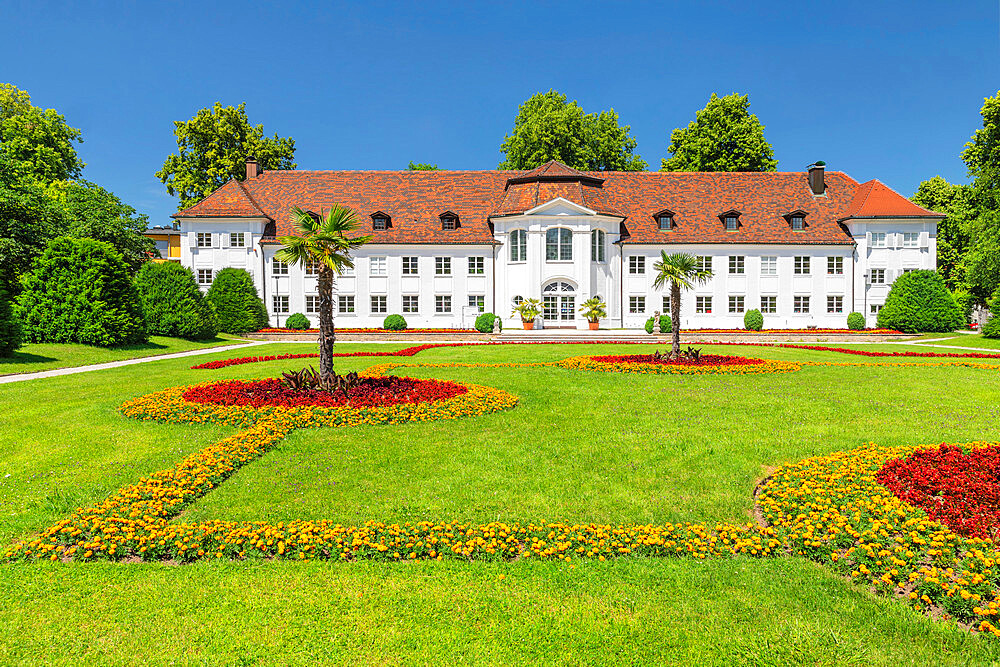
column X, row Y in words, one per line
column 559, row 304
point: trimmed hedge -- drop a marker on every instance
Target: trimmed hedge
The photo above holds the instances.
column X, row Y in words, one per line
column 856, row 321
column 297, row 321
column 992, row 327
column 753, row 320
column 172, row 302
column 664, row 324
column 238, row 308
column 10, row 328
column 394, row 323
column 484, row 323
column 80, row 291
column 920, row 302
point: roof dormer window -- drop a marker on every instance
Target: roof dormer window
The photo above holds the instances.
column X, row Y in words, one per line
column 381, row 221
column 796, row 220
column 664, row 220
column 449, row 221
column 731, row 220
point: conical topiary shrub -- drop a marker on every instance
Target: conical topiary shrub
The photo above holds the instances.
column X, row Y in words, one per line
column 172, row 303
column 919, row 301
column 238, row 308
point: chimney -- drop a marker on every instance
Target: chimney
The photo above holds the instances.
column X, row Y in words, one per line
column 253, row 169
column 817, row 180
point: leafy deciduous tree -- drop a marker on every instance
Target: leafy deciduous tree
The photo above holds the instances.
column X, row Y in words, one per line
column 724, row 136
column 38, row 139
column 982, row 157
column 422, row 166
column 10, row 328
column 937, row 194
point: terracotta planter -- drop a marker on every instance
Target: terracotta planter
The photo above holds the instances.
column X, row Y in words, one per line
column 594, row 326
column 528, row 326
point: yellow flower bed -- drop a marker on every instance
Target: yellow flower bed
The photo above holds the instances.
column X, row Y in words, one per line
column 587, row 363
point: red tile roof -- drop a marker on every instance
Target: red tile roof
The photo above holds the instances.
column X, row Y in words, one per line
column 415, row 200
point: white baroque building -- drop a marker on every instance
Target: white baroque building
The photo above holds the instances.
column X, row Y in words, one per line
column 806, row 248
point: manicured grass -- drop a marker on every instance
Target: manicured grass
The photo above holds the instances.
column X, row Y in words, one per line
column 969, row 340
column 580, row 446
column 46, row 356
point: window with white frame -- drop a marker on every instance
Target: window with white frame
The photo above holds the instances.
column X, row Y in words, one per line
column 558, row 244
column 477, row 301
column 878, row 277
column 204, row 239
column 519, row 245
column 312, row 268
column 380, row 304
column 237, row 239
column 204, row 276
column 703, row 305
column 768, row 265
column 834, row 304
column 907, row 270
column 802, row 265
column 378, row 266
column 411, row 303
column 736, row 264
column 878, row 240
column 279, row 303
column 347, row 271
column 769, row 304
column 737, row 304
column 278, row 268
column 442, row 266
column 874, row 308
column 597, row 247
column 911, row 239
column 636, row 264
column 835, row 266
column 442, row 303
column 703, row 263
column 410, row 266
column 477, row 266
column 666, row 304
column 312, row 303
column 345, row 304
column 800, row 305
column 636, row 304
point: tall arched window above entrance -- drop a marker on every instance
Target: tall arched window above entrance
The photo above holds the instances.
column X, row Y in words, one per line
column 597, row 245
column 558, row 244
column 519, row 246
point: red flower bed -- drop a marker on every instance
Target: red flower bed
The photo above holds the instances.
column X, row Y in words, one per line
column 957, row 488
column 369, row 392
column 365, row 330
column 704, row 360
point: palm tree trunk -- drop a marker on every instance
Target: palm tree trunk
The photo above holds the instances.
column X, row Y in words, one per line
column 675, row 319
column 326, row 334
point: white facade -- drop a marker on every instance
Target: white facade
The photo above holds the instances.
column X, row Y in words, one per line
column 445, row 285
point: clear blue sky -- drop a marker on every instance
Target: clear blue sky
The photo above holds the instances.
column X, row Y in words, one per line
column 877, row 89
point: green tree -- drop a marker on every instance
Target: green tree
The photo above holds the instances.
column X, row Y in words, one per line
column 80, row 291
column 724, row 136
column 422, row 166
column 172, row 303
column 920, row 302
column 937, row 194
column 323, row 241
column 982, row 157
column 238, row 308
column 213, row 147
column 13, row 101
column 681, row 271
column 548, row 127
column 10, row 328
column 28, row 220
column 38, row 139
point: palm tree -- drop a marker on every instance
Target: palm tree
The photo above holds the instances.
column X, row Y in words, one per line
column 323, row 241
column 682, row 271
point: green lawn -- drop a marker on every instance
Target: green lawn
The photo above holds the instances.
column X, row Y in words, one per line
column 580, row 446
column 34, row 357
column 968, row 340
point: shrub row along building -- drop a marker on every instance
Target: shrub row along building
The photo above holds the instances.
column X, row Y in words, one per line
column 806, row 248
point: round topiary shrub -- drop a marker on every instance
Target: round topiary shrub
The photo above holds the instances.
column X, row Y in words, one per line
column 919, row 302
column 855, row 321
column 484, row 323
column 394, row 323
column 297, row 321
column 80, row 291
column 992, row 327
column 10, row 329
column 664, row 324
column 172, row 302
column 238, row 308
column 753, row 320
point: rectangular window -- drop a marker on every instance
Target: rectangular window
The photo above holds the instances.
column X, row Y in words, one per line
column 736, row 263
column 834, row 304
column 518, row 245
column 878, row 240
column 802, row 265
column 409, row 266
column 636, row 265
column 478, row 302
column 666, row 305
column 798, row 222
column 345, row 303
column 411, row 304
column 312, row 268
column 769, row 304
column 379, row 223
column 800, row 305
column 347, row 271
column 204, row 240
column 278, row 268
column 442, row 303
column 312, row 303
column 442, row 266
column 380, row 304
column 911, row 239
column 732, row 223
column 875, row 307
column 736, row 304
column 237, row 240
column 378, row 266
column 449, row 224
column 279, row 302
column 835, row 266
column 636, row 304
column 558, row 244
column 703, row 263
column 666, row 222
column 477, row 266
column 878, row 276
column 768, row 265
column 703, row 305
column 597, row 245
column 204, row 276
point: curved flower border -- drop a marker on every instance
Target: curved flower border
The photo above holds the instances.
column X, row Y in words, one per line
column 590, row 363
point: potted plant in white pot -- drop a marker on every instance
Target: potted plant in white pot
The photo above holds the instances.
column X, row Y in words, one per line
column 528, row 309
column 594, row 309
